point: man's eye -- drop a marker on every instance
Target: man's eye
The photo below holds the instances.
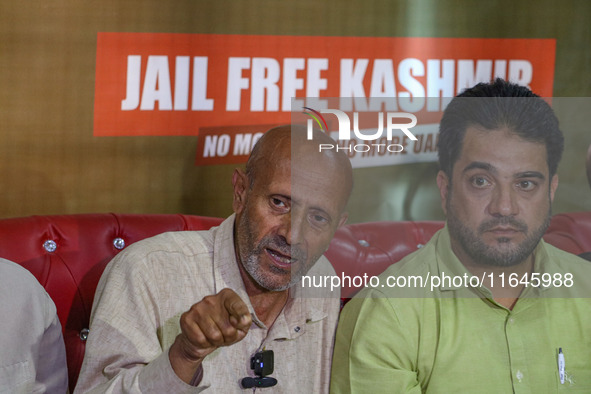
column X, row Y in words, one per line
column 479, row 182
column 527, row 185
column 319, row 220
column 278, row 203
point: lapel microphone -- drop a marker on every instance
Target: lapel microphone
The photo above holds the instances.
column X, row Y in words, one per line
column 262, row 364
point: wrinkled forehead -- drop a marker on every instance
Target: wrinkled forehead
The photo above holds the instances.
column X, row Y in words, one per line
column 319, row 176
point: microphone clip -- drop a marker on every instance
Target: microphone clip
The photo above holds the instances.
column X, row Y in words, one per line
column 262, row 364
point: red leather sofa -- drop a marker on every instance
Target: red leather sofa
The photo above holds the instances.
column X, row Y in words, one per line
column 68, row 253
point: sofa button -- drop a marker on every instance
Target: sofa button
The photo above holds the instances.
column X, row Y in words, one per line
column 363, row 242
column 119, row 243
column 50, row 246
column 84, row 334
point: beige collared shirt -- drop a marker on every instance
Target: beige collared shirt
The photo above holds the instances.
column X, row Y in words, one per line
column 146, row 288
column 32, row 351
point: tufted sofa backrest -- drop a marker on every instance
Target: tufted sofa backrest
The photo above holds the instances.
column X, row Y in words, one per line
column 68, row 253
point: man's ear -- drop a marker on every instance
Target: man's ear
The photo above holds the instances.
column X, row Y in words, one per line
column 241, row 185
column 343, row 219
column 443, row 185
column 553, row 186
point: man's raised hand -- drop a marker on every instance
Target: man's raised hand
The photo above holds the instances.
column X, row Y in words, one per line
column 217, row 320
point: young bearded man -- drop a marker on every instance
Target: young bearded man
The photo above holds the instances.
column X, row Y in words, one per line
column 505, row 328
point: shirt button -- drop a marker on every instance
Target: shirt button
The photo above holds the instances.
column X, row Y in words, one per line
column 297, row 329
column 511, row 320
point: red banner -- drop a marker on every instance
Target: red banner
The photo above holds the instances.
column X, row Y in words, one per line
column 176, row 84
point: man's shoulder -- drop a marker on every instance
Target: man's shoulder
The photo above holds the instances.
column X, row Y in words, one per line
column 18, row 286
column 322, row 267
column 311, row 285
column 411, row 277
column 406, row 284
column 11, row 270
column 184, row 242
column 164, row 257
column 19, row 279
column 165, row 247
column 570, row 273
column 566, row 259
column 419, row 262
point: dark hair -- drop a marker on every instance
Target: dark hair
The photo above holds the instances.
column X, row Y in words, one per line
column 493, row 106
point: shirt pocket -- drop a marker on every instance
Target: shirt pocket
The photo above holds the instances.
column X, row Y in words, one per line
column 16, row 378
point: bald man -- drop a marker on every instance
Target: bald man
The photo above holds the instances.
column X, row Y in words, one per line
column 184, row 312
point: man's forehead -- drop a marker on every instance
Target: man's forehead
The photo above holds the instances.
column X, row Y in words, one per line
column 297, row 169
column 479, row 133
column 320, row 186
column 501, row 149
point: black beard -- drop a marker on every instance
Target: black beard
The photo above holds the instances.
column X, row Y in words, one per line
column 485, row 255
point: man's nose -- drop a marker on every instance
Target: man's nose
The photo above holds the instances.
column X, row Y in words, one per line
column 292, row 227
column 504, row 201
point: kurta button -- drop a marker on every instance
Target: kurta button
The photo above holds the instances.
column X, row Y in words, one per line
column 50, row 246
column 119, row 243
column 84, row 334
column 297, row 329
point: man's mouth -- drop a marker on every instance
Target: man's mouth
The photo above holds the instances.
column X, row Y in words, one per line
column 280, row 258
column 503, row 227
column 504, row 230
